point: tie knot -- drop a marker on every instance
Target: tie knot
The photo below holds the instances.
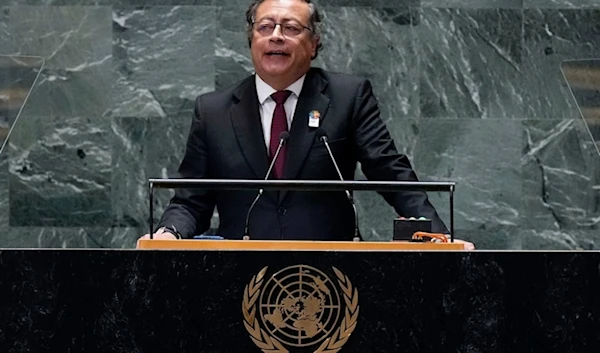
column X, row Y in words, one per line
column 280, row 96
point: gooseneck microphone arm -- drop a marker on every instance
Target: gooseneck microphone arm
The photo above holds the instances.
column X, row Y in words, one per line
column 283, row 137
column 323, row 137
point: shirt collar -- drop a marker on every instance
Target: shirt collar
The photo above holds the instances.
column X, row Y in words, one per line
column 264, row 91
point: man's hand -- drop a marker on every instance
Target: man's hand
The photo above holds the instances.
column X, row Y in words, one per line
column 443, row 238
column 466, row 245
column 160, row 235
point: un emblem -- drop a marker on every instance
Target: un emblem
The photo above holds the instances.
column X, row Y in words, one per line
column 300, row 306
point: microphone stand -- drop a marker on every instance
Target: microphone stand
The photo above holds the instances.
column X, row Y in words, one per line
column 357, row 236
column 282, row 139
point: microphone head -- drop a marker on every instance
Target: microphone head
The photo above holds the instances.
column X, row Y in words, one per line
column 284, row 135
column 321, row 134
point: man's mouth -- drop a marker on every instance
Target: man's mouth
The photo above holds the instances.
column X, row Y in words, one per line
column 277, row 53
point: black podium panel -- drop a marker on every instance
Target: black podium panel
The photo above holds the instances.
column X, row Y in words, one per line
column 186, row 301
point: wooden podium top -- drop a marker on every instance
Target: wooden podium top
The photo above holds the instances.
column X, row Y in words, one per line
column 287, row 245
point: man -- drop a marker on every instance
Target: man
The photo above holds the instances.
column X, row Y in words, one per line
column 236, row 131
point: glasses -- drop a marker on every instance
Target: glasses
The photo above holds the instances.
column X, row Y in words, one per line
column 267, row 28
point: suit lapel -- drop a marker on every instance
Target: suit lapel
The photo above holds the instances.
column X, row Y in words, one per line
column 301, row 135
column 245, row 118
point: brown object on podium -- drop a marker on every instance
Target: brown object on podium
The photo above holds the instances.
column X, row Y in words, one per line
column 288, row 245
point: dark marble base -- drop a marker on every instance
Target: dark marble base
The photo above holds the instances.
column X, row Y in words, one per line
column 167, row 301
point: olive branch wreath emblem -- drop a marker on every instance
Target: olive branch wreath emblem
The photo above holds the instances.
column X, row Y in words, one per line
column 269, row 344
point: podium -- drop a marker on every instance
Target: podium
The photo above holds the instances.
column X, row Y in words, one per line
column 297, row 296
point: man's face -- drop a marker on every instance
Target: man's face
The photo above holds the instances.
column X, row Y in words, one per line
column 279, row 59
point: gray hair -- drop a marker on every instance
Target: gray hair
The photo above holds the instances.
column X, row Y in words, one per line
column 315, row 22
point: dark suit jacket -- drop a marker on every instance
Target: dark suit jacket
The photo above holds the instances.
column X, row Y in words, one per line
column 226, row 142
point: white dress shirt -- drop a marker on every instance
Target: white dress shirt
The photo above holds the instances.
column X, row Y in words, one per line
column 267, row 104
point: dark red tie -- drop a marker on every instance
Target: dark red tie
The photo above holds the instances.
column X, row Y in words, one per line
column 278, row 125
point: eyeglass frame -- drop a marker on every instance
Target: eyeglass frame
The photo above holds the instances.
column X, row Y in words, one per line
column 281, row 26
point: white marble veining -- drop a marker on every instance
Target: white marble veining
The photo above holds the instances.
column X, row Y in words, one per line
column 471, row 91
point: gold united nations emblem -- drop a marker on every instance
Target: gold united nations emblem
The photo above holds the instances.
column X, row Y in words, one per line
column 300, row 307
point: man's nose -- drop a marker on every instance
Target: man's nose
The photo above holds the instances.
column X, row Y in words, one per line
column 277, row 33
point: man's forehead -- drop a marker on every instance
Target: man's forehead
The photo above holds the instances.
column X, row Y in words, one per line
column 287, row 8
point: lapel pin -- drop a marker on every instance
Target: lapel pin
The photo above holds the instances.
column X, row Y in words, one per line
column 313, row 118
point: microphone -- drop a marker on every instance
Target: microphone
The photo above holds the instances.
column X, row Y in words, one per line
column 322, row 135
column 283, row 137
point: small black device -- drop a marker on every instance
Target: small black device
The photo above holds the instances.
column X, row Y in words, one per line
column 404, row 228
